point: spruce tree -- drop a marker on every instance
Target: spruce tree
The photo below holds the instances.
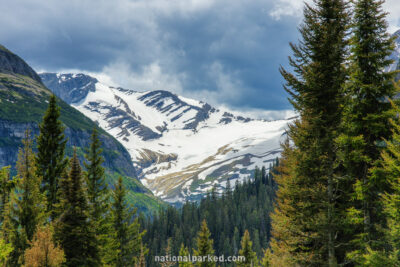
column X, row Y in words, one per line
column 365, row 124
column 30, row 203
column 127, row 237
column 266, row 260
column 315, row 89
column 204, row 246
column 247, row 252
column 74, row 230
column 27, row 209
column 98, row 194
column 50, row 159
column 184, row 253
column 388, row 255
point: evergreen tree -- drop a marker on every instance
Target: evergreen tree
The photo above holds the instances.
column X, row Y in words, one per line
column 127, row 242
column 74, row 229
column 5, row 250
column 315, row 87
column 365, row 124
column 6, row 187
column 247, row 251
column 266, row 260
column 388, row 255
column 30, row 203
column 184, row 253
column 98, row 195
column 50, row 157
column 204, row 246
column 27, row 206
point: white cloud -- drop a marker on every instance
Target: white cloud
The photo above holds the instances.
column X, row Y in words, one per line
column 262, row 114
column 393, row 18
column 284, row 8
column 149, row 77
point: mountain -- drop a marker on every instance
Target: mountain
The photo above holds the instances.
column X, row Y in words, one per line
column 180, row 147
column 395, row 56
column 23, row 100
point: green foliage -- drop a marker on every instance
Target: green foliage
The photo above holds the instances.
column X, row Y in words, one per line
column 6, row 187
column 5, row 250
column 74, row 230
column 27, row 205
column 184, row 253
column 266, row 260
column 247, row 252
column 98, row 195
column 390, row 200
column 228, row 215
column 365, row 124
column 137, row 195
column 50, row 159
column 127, row 237
column 309, row 215
column 204, row 246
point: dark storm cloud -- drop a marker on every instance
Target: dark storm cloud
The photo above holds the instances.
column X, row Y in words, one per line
column 225, row 52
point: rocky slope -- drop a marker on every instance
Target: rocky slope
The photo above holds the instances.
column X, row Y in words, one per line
column 181, row 147
column 23, row 100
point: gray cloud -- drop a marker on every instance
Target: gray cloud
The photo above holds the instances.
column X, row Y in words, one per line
column 221, row 51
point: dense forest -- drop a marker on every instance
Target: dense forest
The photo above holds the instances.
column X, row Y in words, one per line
column 244, row 207
column 332, row 199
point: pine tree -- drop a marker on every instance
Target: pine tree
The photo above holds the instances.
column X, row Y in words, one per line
column 315, row 88
column 27, row 207
column 127, row 241
column 98, row 195
column 388, row 255
column 184, row 253
column 30, row 203
column 365, row 124
column 266, row 260
column 50, row 157
column 43, row 252
column 204, row 246
column 247, row 252
column 74, row 229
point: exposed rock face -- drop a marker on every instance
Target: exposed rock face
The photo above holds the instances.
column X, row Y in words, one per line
column 23, row 100
column 11, row 63
column 74, row 87
column 11, row 134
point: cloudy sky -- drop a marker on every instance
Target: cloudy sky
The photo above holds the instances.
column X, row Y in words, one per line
column 226, row 52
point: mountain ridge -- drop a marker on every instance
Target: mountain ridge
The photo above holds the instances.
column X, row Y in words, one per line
column 181, row 147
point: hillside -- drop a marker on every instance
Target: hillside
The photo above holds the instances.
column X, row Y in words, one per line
column 23, row 100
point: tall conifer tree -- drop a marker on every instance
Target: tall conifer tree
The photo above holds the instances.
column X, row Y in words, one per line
column 28, row 205
column 204, row 246
column 50, row 159
column 127, row 243
column 98, row 194
column 366, row 123
column 74, row 230
column 315, row 87
column 247, row 251
column 389, row 255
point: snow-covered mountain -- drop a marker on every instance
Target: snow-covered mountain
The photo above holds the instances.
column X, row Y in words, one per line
column 181, row 147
